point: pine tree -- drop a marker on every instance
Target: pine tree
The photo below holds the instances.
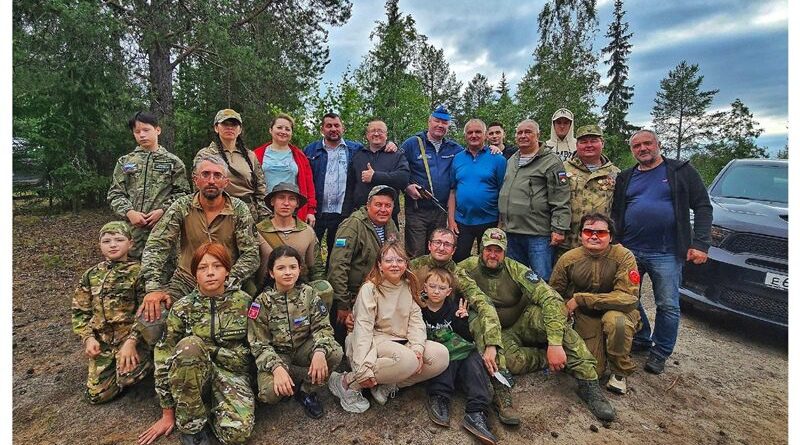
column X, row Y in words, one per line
column 679, row 113
column 620, row 95
column 477, row 99
column 439, row 83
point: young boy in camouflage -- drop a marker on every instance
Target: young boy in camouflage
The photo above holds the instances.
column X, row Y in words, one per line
column 104, row 315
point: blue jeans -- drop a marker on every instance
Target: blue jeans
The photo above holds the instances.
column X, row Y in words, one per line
column 665, row 270
column 533, row 251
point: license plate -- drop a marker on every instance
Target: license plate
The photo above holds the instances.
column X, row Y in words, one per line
column 777, row 281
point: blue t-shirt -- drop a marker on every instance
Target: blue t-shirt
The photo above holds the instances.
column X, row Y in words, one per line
column 477, row 182
column 649, row 214
column 279, row 166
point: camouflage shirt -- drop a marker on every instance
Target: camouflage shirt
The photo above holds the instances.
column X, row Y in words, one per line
column 282, row 321
column 220, row 322
column 590, row 191
column 147, row 180
column 105, row 302
column 512, row 287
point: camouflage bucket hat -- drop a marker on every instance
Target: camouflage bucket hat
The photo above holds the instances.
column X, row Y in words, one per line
column 588, row 130
column 223, row 115
column 285, row 187
column 382, row 190
column 120, row 227
column 494, row 237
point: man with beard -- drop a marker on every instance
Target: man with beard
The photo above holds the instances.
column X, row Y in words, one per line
column 210, row 215
column 562, row 140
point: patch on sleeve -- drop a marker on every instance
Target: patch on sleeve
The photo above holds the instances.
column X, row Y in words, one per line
column 254, row 310
column 532, row 277
column 321, row 307
column 562, row 178
column 633, row 275
column 391, row 238
column 340, row 242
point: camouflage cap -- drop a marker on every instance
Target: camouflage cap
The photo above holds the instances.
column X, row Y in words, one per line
column 285, row 187
column 223, row 115
column 120, row 227
column 588, row 130
column 382, row 190
column 494, row 237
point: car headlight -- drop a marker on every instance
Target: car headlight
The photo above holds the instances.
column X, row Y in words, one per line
column 718, row 235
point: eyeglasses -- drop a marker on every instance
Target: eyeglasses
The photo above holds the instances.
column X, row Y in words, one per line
column 393, row 261
column 376, row 131
column 588, row 233
column 208, row 175
column 436, row 287
column 440, row 243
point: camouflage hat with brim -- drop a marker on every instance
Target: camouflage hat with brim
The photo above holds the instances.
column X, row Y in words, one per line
column 382, row 190
column 120, row 227
column 223, row 115
column 588, row 130
column 289, row 188
column 494, row 237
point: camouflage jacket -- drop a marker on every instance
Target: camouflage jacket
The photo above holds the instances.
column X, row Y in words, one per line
column 145, row 181
column 469, row 290
column 279, row 322
column 220, row 322
column 598, row 282
column 513, row 286
column 590, row 191
column 170, row 231
column 105, row 302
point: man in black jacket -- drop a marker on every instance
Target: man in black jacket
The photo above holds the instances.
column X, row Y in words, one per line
column 651, row 208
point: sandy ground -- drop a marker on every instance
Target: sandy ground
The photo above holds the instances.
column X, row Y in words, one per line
column 726, row 383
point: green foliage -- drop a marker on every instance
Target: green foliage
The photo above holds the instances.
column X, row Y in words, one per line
column 348, row 102
column 620, row 95
column 478, row 100
column 439, row 84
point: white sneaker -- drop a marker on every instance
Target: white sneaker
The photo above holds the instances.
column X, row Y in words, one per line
column 351, row 400
column 382, row 393
column 617, row 384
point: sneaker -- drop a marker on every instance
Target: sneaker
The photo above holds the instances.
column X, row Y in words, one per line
column 200, row 438
column 503, row 404
column 311, row 404
column 476, row 424
column 382, row 393
column 617, row 384
column 439, row 410
column 589, row 392
column 655, row 364
column 351, row 400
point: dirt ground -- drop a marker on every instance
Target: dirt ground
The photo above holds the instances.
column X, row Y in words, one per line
column 726, row 383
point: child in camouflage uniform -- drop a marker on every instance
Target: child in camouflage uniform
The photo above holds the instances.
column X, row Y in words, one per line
column 104, row 315
column 291, row 336
column 446, row 323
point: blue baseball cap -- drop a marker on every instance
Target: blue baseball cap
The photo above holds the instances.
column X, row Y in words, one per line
column 441, row 113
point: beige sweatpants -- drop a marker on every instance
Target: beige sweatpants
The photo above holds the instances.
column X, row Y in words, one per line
column 397, row 363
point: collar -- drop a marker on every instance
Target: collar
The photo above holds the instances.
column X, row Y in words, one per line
column 340, row 144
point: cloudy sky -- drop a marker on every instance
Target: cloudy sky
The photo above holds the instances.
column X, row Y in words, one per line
column 741, row 46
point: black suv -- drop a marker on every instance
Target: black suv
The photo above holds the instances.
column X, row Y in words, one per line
column 747, row 272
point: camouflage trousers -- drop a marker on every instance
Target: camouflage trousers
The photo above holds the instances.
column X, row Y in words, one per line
column 609, row 337
column 205, row 392
column 297, row 363
column 105, row 381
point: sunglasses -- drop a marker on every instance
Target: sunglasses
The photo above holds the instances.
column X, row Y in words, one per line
column 588, row 233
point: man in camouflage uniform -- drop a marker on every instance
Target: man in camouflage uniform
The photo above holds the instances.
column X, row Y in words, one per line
column 535, row 335
column 146, row 181
column 288, row 329
column 442, row 245
column 355, row 251
column 208, row 215
column 103, row 316
column 592, row 177
column 601, row 284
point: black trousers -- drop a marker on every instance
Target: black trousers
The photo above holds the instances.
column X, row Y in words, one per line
column 466, row 238
column 420, row 223
column 327, row 222
column 470, row 375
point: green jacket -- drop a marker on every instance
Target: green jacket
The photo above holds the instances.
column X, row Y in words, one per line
column 467, row 288
column 221, row 323
column 508, row 284
column 281, row 321
column 145, row 181
column 590, row 191
column 534, row 199
column 353, row 255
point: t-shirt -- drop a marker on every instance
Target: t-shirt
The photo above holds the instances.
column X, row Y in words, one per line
column 477, row 182
column 649, row 214
column 444, row 327
column 279, row 166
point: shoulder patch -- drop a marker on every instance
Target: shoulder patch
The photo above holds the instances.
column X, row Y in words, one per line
column 532, row 277
column 254, row 310
column 561, row 177
column 321, row 307
column 391, row 238
column 633, row 275
column 340, row 242
column 130, row 167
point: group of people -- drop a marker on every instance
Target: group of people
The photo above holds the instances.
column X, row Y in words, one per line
column 203, row 286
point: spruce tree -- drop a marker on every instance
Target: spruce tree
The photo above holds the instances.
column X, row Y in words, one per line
column 477, row 99
column 620, row 95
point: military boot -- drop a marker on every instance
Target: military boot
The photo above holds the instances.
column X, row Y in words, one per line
column 200, row 438
column 504, row 404
column 589, row 391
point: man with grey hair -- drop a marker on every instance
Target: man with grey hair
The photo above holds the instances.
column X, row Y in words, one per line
column 476, row 178
column 534, row 201
column 210, row 214
column 651, row 208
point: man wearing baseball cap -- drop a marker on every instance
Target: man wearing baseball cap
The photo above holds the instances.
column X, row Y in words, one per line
column 562, row 141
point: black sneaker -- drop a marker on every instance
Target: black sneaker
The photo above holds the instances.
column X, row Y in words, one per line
column 200, row 438
column 439, row 410
column 589, row 392
column 311, row 405
column 655, row 364
column 476, row 424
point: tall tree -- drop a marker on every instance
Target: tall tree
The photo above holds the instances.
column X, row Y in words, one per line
column 620, row 95
column 439, row 83
column 504, row 110
column 564, row 71
column 679, row 113
column 346, row 100
column 478, row 99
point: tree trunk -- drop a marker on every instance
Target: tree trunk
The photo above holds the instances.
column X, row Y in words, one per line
column 161, row 91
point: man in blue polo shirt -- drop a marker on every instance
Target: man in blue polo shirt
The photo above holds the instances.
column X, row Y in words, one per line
column 430, row 157
column 477, row 176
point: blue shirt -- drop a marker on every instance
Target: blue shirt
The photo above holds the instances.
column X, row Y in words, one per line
column 279, row 166
column 649, row 214
column 477, row 182
column 335, row 179
column 439, row 162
